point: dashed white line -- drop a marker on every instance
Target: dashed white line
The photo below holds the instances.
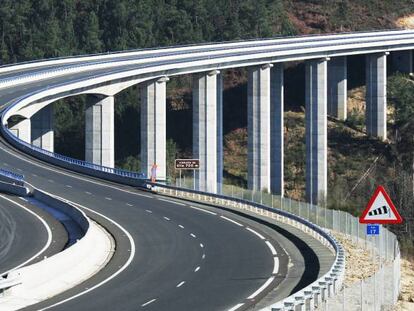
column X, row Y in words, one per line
column 129, row 204
column 276, row 265
column 202, row 210
column 148, row 211
column 148, row 302
column 236, row 307
column 272, row 249
column 69, row 186
column 138, row 194
column 262, row 288
column 256, row 233
column 201, row 245
column 181, row 226
column 20, row 170
column 50, row 180
column 107, row 198
column 193, row 235
column 232, row 221
column 34, row 175
column 196, row 269
column 181, row 284
column 166, row 218
column 87, row 192
column 204, row 256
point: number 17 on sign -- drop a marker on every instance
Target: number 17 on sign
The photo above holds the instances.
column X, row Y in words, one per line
column 373, row 229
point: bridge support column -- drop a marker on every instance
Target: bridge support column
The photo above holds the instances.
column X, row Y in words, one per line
column 258, row 126
column 220, row 153
column 206, row 88
column 277, row 127
column 42, row 134
column 22, row 130
column 316, row 131
column 337, row 87
column 153, row 127
column 99, row 132
column 402, row 61
column 376, row 95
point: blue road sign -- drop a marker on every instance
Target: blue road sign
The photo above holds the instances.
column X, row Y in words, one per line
column 373, row 230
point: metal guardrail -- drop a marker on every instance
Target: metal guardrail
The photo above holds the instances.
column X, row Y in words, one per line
column 313, row 294
column 69, row 160
column 11, row 175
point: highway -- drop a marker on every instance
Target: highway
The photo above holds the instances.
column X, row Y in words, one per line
column 170, row 255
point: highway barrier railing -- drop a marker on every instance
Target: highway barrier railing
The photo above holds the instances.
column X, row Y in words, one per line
column 312, row 295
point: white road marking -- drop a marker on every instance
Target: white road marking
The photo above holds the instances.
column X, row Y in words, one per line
column 256, row 233
column 148, row 302
column 23, row 199
column 232, row 221
column 166, row 218
column 202, row 210
column 87, row 192
column 20, row 170
column 129, row 204
column 127, row 263
column 272, row 249
column 170, row 201
column 34, row 175
column 69, row 186
column 50, row 180
column 193, row 235
column 148, row 211
column 138, row 194
column 180, row 284
column 5, row 164
column 262, row 288
column 107, row 198
column 196, row 269
column 236, row 307
column 181, row 226
column 201, row 245
column 204, row 256
column 49, row 235
column 276, row 265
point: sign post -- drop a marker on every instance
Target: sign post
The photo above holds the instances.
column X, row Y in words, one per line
column 187, row 164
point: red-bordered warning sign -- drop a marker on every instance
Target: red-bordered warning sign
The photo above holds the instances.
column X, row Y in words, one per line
column 380, row 209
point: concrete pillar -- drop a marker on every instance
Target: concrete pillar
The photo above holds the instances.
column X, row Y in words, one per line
column 277, row 129
column 337, row 87
column 258, row 125
column 376, row 95
column 205, row 125
column 316, row 131
column 153, row 127
column 99, row 131
column 42, row 134
column 220, row 153
column 22, row 130
column 402, row 61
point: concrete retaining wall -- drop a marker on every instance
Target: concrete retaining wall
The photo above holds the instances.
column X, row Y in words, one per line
column 13, row 189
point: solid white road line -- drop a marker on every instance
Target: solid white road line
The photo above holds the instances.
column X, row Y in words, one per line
column 193, row 235
column 49, row 235
column 202, row 210
column 276, row 265
column 122, row 268
column 236, row 307
column 272, row 249
column 147, row 303
column 262, row 288
column 23, row 199
column 232, row 221
column 171, row 201
column 181, row 284
column 256, row 233
column 196, row 269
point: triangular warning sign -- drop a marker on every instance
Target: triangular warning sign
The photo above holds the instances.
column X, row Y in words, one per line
column 380, row 210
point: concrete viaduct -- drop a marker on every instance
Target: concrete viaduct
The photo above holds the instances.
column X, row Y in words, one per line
column 326, row 94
